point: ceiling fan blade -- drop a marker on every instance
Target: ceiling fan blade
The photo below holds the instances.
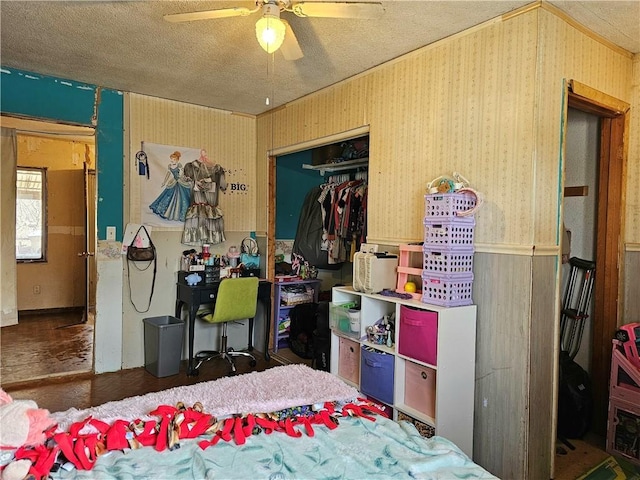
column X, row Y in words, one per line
column 338, row 9
column 290, row 47
column 208, row 14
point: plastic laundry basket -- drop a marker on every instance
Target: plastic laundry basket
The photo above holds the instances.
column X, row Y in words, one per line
column 163, row 345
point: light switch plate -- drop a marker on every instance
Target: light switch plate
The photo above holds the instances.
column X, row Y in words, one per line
column 111, row 233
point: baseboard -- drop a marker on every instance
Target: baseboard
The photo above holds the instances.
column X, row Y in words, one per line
column 50, row 311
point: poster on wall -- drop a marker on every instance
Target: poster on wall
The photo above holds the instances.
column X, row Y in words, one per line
column 180, row 190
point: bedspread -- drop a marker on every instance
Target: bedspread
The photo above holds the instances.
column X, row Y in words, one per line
column 358, row 449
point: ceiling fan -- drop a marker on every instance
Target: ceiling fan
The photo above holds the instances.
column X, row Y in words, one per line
column 274, row 32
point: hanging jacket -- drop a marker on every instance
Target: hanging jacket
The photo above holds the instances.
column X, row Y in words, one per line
column 309, row 233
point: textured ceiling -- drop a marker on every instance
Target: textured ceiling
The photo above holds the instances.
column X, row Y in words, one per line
column 218, row 63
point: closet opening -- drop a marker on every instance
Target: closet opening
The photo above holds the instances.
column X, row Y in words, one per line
column 317, row 217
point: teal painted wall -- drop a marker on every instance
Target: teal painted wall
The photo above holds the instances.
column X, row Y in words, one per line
column 59, row 100
column 292, row 184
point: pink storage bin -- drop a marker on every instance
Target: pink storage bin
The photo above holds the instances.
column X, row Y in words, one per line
column 447, row 290
column 418, row 334
column 446, row 205
column 349, row 363
column 420, row 388
column 447, row 262
column 449, row 234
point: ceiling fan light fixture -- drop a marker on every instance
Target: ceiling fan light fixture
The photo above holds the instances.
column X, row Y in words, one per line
column 270, row 29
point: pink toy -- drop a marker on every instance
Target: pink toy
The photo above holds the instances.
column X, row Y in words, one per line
column 22, row 423
column 629, row 337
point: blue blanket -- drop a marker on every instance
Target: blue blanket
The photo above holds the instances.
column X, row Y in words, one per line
column 357, row 449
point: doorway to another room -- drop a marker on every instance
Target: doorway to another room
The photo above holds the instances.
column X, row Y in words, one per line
column 55, row 238
column 612, row 118
column 593, row 215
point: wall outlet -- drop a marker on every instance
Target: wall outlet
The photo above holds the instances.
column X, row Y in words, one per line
column 111, row 233
column 36, row 289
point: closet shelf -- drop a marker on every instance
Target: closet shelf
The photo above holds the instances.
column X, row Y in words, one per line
column 336, row 167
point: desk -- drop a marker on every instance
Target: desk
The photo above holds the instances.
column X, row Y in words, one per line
column 194, row 296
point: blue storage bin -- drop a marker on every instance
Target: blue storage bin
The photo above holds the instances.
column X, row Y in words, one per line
column 376, row 374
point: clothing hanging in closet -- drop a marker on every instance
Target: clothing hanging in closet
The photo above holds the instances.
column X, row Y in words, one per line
column 308, row 239
column 332, row 222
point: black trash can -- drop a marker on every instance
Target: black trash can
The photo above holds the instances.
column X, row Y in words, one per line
column 322, row 339
column 321, row 350
column 163, row 337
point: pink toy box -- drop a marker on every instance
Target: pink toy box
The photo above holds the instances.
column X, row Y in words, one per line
column 420, row 388
column 624, row 383
column 629, row 337
column 624, row 405
column 622, row 432
column 418, row 334
column 349, row 364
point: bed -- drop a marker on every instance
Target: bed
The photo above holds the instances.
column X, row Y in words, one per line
column 288, row 422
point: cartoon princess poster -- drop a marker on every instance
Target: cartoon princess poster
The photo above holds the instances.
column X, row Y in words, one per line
column 173, row 201
column 183, row 191
column 165, row 195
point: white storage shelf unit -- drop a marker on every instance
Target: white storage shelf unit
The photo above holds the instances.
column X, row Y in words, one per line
column 454, row 367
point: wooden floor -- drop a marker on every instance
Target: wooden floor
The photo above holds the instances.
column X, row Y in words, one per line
column 571, row 464
column 84, row 391
column 42, row 345
column 285, row 355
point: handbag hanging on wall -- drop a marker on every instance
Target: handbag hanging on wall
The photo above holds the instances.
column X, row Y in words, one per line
column 141, row 254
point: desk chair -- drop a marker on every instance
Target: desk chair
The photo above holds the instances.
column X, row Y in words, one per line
column 237, row 299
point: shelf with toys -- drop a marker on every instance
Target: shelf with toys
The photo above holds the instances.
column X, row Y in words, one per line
column 408, row 339
column 426, row 372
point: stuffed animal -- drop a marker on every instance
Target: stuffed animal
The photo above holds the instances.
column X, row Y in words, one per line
column 21, row 423
column 193, row 279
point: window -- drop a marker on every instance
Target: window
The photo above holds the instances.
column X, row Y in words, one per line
column 31, row 211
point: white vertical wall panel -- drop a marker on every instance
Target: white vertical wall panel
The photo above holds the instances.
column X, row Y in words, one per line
column 229, row 139
column 110, row 341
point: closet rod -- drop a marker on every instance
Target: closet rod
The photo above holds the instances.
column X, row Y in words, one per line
column 337, row 167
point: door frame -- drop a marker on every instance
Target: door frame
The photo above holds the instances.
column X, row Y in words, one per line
column 272, row 155
column 614, row 125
